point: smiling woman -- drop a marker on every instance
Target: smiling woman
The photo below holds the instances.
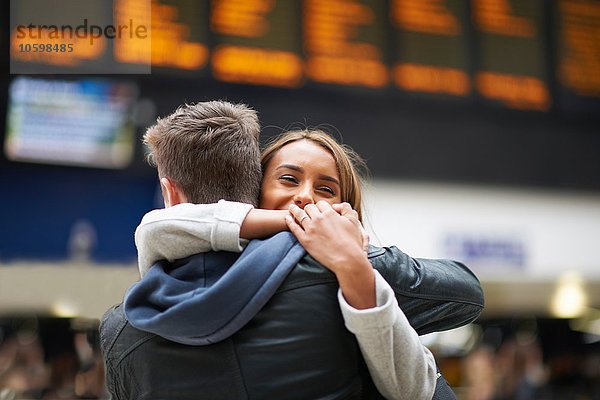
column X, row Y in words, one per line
column 301, row 173
column 310, row 156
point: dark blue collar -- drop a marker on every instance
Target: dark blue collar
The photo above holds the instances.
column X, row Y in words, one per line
column 208, row 297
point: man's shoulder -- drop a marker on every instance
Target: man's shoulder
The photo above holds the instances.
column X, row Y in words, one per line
column 273, row 245
column 307, row 272
column 309, row 269
column 116, row 334
column 113, row 319
column 112, row 323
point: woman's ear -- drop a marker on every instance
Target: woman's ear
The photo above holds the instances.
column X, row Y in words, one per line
column 172, row 194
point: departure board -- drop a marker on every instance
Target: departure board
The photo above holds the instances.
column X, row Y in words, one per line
column 257, row 42
column 578, row 64
column 431, row 48
column 179, row 34
column 505, row 53
column 96, row 36
column 511, row 62
column 345, row 40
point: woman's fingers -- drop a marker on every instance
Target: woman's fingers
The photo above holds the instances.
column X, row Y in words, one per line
column 321, row 213
column 326, row 210
column 295, row 228
column 299, row 214
column 323, row 206
column 366, row 239
column 336, row 241
column 345, row 210
column 311, row 210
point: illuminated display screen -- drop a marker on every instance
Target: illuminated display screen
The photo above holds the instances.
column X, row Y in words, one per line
column 511, row 67
column 495, row 51
column 578, row 66
column 174, row 36
column 431, row 48
column 179, row 34
column 84, row 123
column 344, row 41
column 257, row 42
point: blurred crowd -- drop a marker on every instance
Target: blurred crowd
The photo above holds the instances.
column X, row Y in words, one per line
column 517, row 371
column 49, row 358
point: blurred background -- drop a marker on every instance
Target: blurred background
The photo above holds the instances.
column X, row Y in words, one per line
column 479, row 121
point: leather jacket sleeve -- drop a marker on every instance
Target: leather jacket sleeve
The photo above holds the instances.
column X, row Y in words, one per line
column 435, row 295
column 111, row 326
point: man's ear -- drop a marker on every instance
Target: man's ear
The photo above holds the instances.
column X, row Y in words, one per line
column 172, row 193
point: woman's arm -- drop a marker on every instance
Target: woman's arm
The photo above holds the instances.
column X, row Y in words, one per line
column 401, row 367
column 260, row 223
column 186, row 229
column 435, row 295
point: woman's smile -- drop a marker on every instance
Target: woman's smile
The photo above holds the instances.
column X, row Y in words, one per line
column 301, row 173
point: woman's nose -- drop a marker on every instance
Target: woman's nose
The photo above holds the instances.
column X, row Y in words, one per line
column 304, row 196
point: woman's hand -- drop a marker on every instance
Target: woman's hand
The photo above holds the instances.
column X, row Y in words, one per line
column 346, row 210
column 337, row 240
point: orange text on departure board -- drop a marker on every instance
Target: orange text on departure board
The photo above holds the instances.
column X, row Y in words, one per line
column 257, row 66
column 497, row 17
column 334, row 54
column 432, row 79
column 521, row 92
column 579, row 67
column 425, row 16
column 135, row 50
column 251, row 64
column 245, row 18
column 347, row 71
column 171, row 43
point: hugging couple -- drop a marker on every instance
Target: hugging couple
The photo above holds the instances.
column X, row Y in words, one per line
column 258, row 280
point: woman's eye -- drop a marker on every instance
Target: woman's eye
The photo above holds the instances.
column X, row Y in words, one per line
column 289, row 178
column 327, row 189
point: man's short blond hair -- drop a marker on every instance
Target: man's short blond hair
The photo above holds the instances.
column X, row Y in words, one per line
column 210, row 150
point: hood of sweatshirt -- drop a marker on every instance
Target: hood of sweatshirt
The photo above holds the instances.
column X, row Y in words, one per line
column 207, row 297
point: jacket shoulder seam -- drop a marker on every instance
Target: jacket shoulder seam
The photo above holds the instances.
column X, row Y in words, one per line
column 434, row 297
column 305, row 283
column 112, row 339
column 134, row 346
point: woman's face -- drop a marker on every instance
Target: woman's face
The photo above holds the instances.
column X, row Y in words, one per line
column 301, row 173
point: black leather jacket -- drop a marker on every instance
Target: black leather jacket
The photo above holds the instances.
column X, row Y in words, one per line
column 296, row 347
